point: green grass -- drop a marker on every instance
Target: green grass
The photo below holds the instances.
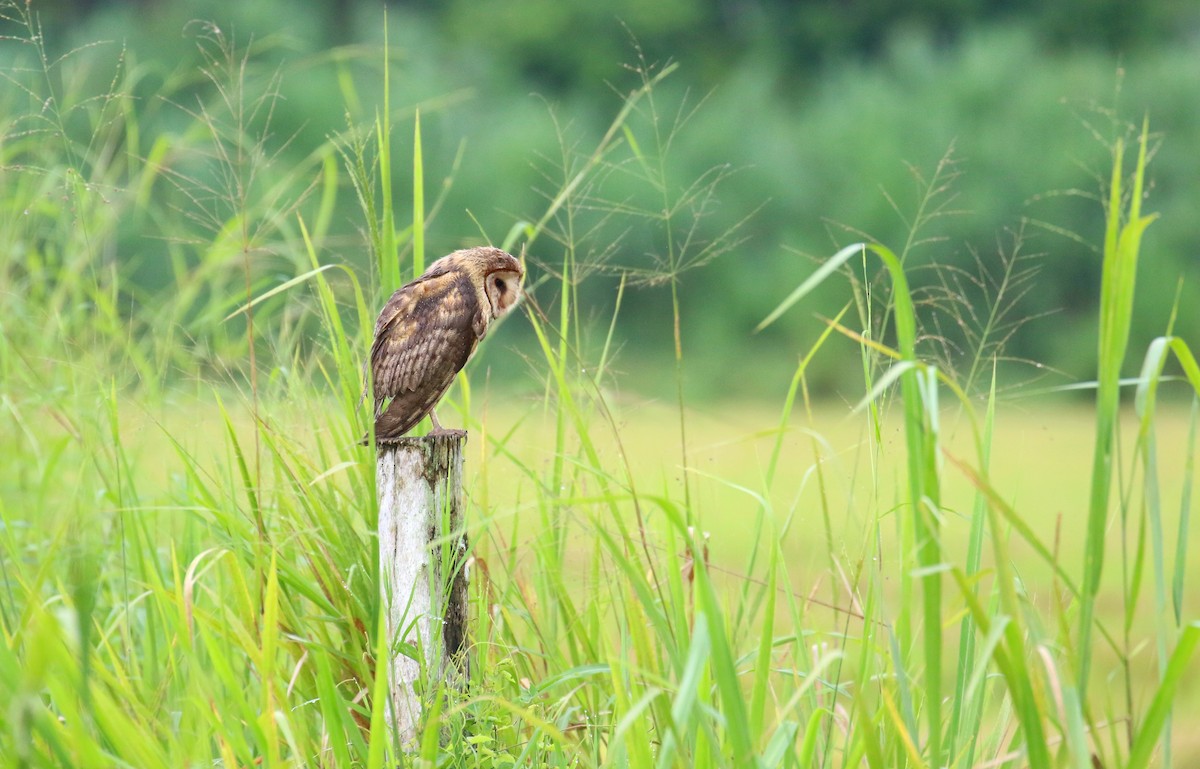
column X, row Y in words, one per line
column 187, row 559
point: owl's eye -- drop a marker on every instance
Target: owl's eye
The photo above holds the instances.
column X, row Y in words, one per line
column 500, row 284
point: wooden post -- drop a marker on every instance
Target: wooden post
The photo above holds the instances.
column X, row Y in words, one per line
column 422, row 560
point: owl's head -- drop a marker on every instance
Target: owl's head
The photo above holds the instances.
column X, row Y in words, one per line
column 499, row 273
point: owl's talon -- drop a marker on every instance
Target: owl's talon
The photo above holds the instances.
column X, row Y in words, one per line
column 439, row 430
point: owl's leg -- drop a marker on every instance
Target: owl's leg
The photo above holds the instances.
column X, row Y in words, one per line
column 439, row 430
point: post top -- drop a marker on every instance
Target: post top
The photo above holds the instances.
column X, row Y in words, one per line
column 437, row 438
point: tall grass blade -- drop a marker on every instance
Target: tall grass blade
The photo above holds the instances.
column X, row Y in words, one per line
column 1122, row 241
column 418, row 225
column 737, row 727
column 923, row 480
column 1157, row 716
column 1185, row 511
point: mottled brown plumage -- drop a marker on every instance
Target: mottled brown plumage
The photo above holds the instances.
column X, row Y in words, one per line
column 429, row 329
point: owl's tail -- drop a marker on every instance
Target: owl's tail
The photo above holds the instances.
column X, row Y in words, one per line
column 394, row 423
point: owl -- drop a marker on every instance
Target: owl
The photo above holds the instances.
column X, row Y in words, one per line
column 429, row 329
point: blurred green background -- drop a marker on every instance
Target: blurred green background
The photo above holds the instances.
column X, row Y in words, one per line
column 810, row 123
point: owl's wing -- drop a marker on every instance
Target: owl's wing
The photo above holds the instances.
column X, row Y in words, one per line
column 424, row 336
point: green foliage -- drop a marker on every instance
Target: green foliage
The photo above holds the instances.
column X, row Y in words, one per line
column 187, row 560
column 1122, row 246
column 817, row 117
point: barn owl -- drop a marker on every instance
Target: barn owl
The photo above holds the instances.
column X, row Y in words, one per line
column 429, row 329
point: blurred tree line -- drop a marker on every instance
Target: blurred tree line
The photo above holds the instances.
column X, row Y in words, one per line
column 985, row 122
column 571, row 44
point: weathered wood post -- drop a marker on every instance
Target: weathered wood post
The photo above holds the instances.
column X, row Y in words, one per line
column 422, row 560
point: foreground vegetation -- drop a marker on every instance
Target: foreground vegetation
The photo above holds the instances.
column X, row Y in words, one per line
column 186, row 544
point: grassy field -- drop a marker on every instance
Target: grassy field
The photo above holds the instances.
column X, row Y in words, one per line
column 183, row 544
column 188, row 572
